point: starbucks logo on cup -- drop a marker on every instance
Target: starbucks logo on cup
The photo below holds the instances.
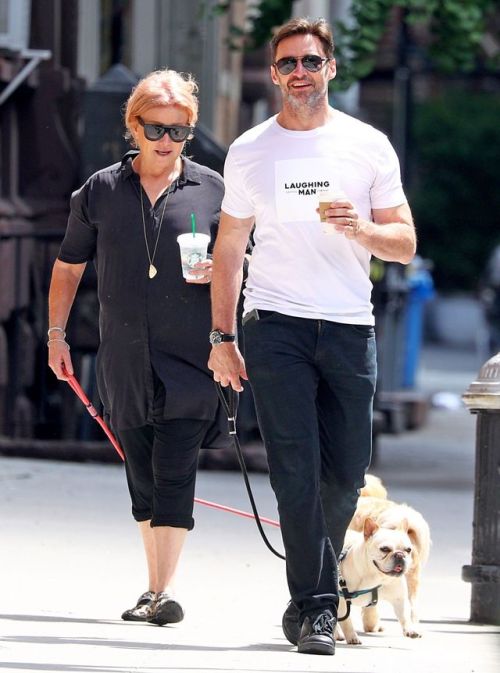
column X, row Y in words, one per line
column 193, row 258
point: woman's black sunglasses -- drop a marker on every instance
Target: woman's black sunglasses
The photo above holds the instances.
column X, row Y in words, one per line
column 176, row 133
column 311, row 62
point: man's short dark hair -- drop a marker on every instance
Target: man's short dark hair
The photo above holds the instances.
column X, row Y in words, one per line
column 319, row 28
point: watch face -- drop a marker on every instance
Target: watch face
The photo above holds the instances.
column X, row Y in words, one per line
column 215, row 337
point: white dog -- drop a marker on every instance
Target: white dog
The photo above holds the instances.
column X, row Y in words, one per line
column 377, row 558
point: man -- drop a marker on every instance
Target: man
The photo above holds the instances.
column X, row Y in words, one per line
column 308, row 321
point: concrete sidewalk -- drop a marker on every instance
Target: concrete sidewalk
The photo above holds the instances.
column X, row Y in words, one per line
column 71, row 561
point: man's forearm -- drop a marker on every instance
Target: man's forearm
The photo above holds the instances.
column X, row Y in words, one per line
column 226, row 288
column 391, row 242
column 391, row 236
column 227, row 271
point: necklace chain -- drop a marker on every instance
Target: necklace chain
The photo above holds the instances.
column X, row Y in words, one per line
column 152, row 268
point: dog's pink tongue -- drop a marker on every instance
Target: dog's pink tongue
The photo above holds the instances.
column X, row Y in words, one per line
column 398, row 568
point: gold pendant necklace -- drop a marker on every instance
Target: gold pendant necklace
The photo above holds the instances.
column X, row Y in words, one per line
column 152, row 271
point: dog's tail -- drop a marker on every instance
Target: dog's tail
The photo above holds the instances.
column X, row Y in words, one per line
column 373, row 488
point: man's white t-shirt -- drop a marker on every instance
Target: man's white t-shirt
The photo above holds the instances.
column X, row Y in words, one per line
column 278, row 176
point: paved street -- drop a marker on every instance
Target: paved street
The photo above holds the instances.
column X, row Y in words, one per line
column 71, row 561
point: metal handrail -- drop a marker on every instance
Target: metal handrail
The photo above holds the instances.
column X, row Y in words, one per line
column 35, row 57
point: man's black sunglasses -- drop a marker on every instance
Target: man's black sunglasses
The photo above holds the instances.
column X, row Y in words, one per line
column 176, row 133
column 311, row 62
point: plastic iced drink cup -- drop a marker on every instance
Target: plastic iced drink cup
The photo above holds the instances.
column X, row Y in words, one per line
column 326, row 199
column 193, row 249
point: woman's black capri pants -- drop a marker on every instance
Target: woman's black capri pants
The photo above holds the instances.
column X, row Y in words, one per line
column 161, row 463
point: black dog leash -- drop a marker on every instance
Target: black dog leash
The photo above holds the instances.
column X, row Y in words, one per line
column 230, row 405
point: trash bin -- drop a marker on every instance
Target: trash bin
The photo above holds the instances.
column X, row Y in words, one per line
column 398, row 298
column 420, row 291
column 390, row 288
column 389, row 297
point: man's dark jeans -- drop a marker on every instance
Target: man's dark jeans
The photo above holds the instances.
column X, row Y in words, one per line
column 313, row 382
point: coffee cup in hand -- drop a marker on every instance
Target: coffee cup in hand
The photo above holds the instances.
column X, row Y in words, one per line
column 325, row 203
column 193, row 249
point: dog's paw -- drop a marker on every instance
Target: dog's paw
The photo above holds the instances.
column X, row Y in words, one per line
column 373, row 628
column 411, row 633
column 354, row 640
column 347, row 633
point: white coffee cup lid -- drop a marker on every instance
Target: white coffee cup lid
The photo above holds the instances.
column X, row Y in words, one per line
column 186, row 239
column 331, row 196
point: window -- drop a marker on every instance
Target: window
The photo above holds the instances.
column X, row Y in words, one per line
column 15, row 24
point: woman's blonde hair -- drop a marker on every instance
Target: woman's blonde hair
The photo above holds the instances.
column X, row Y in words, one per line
column 162, row 88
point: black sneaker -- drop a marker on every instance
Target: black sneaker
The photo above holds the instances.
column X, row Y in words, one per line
column 166, row 610
column 290, row 623
column 142, row 610
column 316, row 634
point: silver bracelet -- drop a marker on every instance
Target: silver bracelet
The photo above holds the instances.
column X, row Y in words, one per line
column 50, row 341
column 56, row 329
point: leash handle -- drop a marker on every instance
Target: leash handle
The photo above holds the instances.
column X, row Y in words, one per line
column 230, row 406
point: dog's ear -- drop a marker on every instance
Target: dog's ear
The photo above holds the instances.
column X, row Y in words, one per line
column 369, row 527
column 404, row 524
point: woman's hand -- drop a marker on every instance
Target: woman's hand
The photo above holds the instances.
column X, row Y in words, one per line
column 60, row 359
column 202, row 271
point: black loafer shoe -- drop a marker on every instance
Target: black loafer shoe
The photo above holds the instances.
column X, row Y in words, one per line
column 142, row 610
column 166, row 611
column 316, row 634
column 290, row 623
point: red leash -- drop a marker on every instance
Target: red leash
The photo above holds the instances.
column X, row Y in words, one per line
column 239, row 512
column 92, row 411
column 78, row 390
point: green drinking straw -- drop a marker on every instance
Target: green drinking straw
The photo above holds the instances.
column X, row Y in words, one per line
column 193, row 224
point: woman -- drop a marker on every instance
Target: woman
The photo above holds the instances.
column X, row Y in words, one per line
column 154, row 325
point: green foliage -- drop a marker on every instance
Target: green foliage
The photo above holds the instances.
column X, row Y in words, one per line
column 456, row 195
column 456, row 28
column 268, row 15
column 357, row 42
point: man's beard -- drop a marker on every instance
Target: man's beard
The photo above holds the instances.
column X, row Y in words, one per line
column 304, row 104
